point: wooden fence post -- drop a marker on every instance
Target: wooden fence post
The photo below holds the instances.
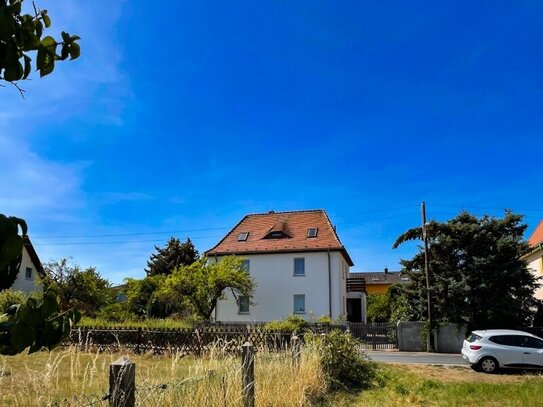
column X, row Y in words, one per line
column 248, row 374
column 296, row 350
column 122, row 383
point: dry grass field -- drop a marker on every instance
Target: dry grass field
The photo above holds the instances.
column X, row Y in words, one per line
column 71, row 378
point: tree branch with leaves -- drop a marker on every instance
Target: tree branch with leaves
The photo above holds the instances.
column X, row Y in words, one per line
column 21, row 34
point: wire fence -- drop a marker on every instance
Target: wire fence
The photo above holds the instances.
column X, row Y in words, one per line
column 147, row 393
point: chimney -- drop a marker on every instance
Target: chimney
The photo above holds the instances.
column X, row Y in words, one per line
column 386, row 270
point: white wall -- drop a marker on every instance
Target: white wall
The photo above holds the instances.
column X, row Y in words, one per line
column 276, row 286
column 535, row 264
column 24, row 284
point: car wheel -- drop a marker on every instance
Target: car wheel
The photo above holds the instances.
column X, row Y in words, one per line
column 488, row 365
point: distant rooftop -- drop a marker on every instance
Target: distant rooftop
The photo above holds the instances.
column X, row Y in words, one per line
column 381, row 277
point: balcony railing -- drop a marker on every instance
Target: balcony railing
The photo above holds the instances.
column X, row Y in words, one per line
column 356, row 284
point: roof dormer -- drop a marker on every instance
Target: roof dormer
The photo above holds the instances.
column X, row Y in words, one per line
column 278, row 231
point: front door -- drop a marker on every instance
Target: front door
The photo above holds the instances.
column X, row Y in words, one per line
column 533, row 351
column 354, row 309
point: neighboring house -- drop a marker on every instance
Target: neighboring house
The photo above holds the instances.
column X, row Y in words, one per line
column 535, row 257
column 297, row 261
column 379, row 282
column 30, row 270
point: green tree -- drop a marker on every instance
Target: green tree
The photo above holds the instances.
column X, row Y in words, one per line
column 175, row 254
column 203, row 283
column 146, row 298
column 478, row 277
column 84, row 289
column 22, row 34
column 378, row 307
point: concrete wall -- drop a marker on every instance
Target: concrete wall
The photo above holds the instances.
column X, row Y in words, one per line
column 449, row 338
column 276, row 286
column 22, row 283
column 411, row 337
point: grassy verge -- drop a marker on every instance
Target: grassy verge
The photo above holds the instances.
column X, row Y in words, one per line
column 44, row 379
column 417, row 385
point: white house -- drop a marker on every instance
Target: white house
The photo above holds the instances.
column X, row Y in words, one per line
column 29, row 271
column 535, row 257
column 297, row 261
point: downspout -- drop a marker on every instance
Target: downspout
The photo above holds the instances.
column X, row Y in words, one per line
column 329, row 286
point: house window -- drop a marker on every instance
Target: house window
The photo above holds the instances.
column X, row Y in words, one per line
column 299, row 266
column 243, row 303
column 242, row 237
column 246, row 265
column 312, row 232
column 28, row 273
column 299, row 303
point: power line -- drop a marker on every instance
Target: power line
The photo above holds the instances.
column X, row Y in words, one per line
column 129, row 234
column 113, row 242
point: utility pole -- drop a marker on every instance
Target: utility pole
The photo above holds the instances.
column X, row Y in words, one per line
column 429, row 341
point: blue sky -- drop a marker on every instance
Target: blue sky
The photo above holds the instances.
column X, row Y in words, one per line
column 181, row 117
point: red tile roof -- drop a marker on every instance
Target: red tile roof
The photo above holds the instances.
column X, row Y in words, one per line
column 537, row 236
column 292, row 225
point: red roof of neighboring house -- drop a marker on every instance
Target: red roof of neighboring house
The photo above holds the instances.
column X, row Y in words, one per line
column 537, row 236
column 280, row 232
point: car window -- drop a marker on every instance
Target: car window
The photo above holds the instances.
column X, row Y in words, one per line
column 531, row 342
column 473, row 337
column 507, row 340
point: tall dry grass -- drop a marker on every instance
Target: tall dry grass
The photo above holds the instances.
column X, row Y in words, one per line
column 72, row 378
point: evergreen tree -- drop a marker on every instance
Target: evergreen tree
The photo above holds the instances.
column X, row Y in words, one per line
column 478, row 276
column 174, row 255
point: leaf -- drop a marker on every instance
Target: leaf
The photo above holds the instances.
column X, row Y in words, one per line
column 28, row 66
column 22, row 337
column 48, row 41
column 39, row 28
column 48, row 68
column 49, row 305
column 74, row 50
column 12, row 247
column 13, row 71
column 15, row 7
column 65, row 52
column 46, row 18
column 40, row 58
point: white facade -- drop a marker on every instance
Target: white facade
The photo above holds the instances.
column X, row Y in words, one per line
column 535, row 264
column 27, row 279
column 323, row 287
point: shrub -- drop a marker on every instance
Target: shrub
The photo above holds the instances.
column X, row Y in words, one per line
column 9, row 298
column 292, row 323
column 116, row 312
column 343, row 365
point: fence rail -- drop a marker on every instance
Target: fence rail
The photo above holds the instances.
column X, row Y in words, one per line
column 226, row 338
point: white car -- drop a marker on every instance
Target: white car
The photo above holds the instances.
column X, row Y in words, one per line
column 493, row 349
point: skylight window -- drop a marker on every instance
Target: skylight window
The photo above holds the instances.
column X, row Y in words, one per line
column 312, row 232
column 242, row 237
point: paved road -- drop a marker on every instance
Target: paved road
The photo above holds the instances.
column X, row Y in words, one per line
column 416, row 357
